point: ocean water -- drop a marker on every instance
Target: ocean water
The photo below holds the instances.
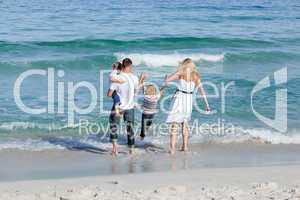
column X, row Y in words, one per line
column 236, row 41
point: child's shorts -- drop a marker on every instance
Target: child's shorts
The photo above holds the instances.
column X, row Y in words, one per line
column 116, row 98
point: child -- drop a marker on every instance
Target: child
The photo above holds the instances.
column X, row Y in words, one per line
column 113, row 78
column 151, row 98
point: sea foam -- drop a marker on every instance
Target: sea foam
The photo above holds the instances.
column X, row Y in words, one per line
column 28, row 145
column 158, row 60
column 242, row 135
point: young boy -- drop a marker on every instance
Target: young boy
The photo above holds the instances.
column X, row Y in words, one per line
column 113, row 78
column 151, row 98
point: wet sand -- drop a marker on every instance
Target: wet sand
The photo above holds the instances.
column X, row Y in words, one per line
column 56, row 164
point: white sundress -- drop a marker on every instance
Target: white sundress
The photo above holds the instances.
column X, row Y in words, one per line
column 182, row 104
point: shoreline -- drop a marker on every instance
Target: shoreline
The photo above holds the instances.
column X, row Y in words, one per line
column 273, row 182
column 17, row 165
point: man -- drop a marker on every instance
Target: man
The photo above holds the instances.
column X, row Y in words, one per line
column 126, row 91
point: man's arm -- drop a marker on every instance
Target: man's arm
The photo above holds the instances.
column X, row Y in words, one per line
column 141, row 80
column 116, row 80
column 139, row 83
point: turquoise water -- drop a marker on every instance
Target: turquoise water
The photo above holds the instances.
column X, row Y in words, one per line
column 229, row 41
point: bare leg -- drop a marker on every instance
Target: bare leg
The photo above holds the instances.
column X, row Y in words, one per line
column 173, row 138
column 185, row 136
column 114, row 148
column 131, row 150
column 117, row 110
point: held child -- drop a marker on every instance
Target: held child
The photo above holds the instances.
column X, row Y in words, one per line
column 113, row 78
column 151, row 98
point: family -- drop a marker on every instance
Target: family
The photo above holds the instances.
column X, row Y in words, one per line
column 124, row 85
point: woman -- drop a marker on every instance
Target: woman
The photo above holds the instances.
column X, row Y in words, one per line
column 188, row 79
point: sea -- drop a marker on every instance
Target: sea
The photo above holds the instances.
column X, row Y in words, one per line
column 234, row 44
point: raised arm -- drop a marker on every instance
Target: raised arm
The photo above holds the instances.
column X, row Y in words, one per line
column 139, row 83
column 172, row 77
column 141, row 80
column 202, row 92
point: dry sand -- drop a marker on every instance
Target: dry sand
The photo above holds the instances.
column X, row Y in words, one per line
column 269, row 182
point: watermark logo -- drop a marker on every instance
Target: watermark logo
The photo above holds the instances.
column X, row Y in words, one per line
column 58, row 89
column 72, row 88
column 280, row 120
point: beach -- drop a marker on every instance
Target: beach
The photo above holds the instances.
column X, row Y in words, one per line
column 56, row 98
column 235, row 171
column 276, row 182
column 18, row 165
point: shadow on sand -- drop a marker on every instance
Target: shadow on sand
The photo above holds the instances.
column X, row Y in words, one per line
column 75, row 145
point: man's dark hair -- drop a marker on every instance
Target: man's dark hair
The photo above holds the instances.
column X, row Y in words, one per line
column 126, row 62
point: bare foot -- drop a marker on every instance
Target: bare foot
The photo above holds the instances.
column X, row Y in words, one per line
column 131, row 150
column 114, row 152
column 185, row 149
column 172, row 152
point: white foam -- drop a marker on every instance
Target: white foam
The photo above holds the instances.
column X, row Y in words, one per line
column 157, row 60
column 28, row 125
column 17, row 125
column 241, row 136
column 274, row 137
column 53, row 143
column 28, row 145
column 259, row 136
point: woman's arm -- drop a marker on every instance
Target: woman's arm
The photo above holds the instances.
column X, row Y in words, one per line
column 202, row 92
column 172, row 77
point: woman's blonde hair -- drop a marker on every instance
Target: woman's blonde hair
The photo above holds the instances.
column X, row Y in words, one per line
column 150, row 90
column 187, row 70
